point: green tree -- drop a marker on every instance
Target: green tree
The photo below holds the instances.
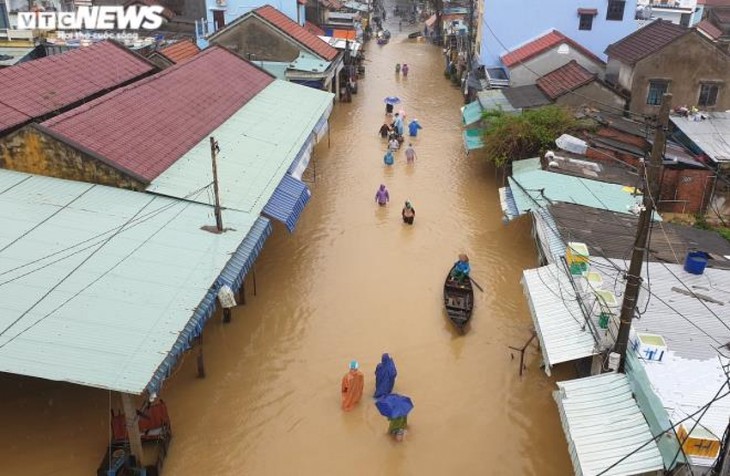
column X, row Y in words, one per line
column 509, row 137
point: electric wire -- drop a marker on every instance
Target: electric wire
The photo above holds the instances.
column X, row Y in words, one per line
column 663, row 432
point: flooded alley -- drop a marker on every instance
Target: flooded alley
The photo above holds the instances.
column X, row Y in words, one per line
column 351, row 282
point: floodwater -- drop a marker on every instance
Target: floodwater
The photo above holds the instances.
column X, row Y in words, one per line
column 352, row 282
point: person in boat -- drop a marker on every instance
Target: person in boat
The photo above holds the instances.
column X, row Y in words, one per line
column 393, row 144
column 382, row 196
column 385, row 130
column 397, row 427
column 405, row 69
column 352, row 385
column 389, row 158
column 410, row 154
column 385, row 374
column 408, row 213
column 413, row 128
column 461, row 268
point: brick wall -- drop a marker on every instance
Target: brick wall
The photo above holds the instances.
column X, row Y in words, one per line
column 30, row 150
column 688, row 189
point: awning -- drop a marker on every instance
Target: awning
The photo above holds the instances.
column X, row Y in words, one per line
column 587, row 11
column 302, row 160
column 288, row 201
column 473, row 139
column 604, row 425
column 559, row 322
column 507, row 202
column 471, row 113
column 232, row 275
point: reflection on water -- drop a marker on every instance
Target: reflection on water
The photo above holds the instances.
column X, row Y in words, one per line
column 351, row 282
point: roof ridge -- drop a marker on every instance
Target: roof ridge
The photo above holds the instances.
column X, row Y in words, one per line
column 642, row 31
column 106, row 97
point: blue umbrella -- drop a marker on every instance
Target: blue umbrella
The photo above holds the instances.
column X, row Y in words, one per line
column 392, row 100
column 394, row 405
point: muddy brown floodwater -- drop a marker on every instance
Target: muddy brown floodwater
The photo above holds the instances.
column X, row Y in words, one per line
column 352, row 282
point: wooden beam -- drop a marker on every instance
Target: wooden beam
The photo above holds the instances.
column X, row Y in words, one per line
column 130, row 418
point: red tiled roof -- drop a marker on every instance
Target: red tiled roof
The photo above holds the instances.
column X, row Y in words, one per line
column 142, row 129
column 296, row 31
column 542, row 44
column 313, row 29
column 180, row 51
column 564, row 79
column 711, row 30
column 722, row 15
column 645, row 41
column 39, row 87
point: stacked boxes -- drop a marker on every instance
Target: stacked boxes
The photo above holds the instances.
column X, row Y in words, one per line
column 649, row 346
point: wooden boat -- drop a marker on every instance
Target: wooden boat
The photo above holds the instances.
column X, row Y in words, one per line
column 459, row 301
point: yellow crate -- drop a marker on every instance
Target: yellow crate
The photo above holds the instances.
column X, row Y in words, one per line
column 700, row 443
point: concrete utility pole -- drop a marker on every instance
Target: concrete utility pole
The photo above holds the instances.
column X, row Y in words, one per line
column 651, row 189
column 214, row 149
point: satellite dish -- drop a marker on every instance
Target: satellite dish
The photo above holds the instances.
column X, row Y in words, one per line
column 563, row 49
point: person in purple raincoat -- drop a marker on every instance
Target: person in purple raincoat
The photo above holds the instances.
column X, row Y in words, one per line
column 382, row 196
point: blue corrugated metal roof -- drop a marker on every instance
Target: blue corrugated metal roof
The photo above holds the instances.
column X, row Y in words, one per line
column 471, row 113
column 507, row 201
column 288, row 201
column 473, row 139
column 602, row 424
column 232, row 275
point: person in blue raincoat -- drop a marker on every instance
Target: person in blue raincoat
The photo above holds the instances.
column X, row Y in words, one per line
column 385, row 374
column 388, row 158
column 398, row 124
column 413, row 128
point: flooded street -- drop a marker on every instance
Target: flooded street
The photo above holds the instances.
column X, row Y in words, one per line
column 352, row 282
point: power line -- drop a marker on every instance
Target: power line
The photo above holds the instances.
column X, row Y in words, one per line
column 124, row 258
column 142, row 219
column 663, row 432
column 76, row 268
column 557, row 85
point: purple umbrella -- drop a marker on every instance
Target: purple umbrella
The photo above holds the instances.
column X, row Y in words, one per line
column 392, row 100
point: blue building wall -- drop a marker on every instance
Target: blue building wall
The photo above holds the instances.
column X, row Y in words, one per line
column 236, row 8
column 515, row 22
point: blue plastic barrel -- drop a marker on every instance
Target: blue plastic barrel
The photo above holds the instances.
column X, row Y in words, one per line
column 695, row 262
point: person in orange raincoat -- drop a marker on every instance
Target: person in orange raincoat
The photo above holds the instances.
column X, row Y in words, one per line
column 352, row 385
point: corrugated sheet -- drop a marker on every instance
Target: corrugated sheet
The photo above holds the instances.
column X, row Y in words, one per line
column 698, row 333
column 253, row 158
column 507, row 202
column 531, row 184
column 288, row 202
column 708, row 134
column 473, row 139
column 602, row 424
column 495, row 99
column 232, row 275
column 563, row 332
column 551, row 243
column 112, row 323
column 309, row 63
column 13, row 54
column 471, row 113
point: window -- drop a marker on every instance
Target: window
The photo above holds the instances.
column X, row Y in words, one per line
column 708, row 94
column 615, row 10
column 656, row 90
column 586, row 21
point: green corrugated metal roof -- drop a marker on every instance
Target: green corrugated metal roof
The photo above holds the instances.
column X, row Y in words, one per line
column 471, row 113
column 473, row 139
column 138, row 265
column 276, row 68
column 309, row 63
column 257, row 144
column 530, row 183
